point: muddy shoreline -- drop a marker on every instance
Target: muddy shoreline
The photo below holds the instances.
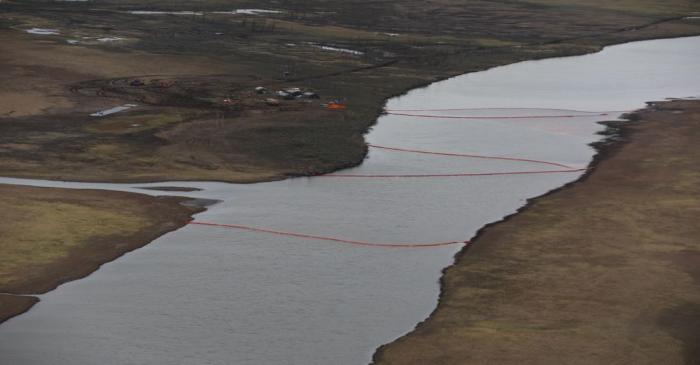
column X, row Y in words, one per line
column 619, row 134
column 14, row 305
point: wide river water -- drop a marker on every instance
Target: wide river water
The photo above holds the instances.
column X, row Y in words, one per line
column 216, row 295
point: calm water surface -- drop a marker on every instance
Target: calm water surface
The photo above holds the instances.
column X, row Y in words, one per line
column 205, row 295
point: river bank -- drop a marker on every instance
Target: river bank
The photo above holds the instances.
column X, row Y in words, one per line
column 603, row 270
column 196, row 115
column 52, row 236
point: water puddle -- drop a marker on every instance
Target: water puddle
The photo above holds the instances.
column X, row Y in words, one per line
column 114, row 110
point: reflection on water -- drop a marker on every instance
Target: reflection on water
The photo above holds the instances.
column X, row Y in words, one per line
column 208, row 295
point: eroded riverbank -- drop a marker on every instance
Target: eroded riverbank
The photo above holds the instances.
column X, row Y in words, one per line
column 601, row 271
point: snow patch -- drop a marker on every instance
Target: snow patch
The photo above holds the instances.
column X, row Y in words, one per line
column 43, row 31
column 110, row 39
column 336, row 49
column 148, row 12
column 248, row 12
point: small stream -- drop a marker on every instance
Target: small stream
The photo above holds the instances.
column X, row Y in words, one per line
column 214, row 295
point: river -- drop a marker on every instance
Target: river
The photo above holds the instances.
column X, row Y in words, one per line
column 218, row 295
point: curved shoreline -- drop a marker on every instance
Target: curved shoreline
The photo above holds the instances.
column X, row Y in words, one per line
column 164, row 214
column 430, row 335
column 604, row 150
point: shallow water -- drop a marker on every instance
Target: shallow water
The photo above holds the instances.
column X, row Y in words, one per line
column 205, row 295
